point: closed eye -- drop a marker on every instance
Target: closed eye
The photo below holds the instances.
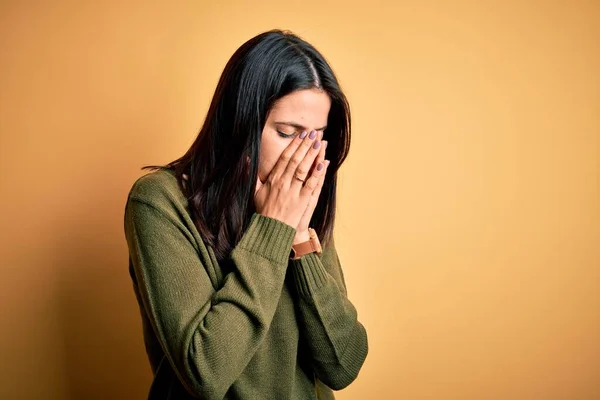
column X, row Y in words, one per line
column 285, row 135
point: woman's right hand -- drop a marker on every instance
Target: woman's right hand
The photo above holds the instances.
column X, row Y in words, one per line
column 283, row 196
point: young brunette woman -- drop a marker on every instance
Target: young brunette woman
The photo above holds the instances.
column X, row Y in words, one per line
column 232, row 257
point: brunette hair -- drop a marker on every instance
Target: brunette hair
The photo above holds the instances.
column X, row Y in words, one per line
column 221, row 182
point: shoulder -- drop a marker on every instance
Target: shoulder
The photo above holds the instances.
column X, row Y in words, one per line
column 158, row 188
column 156, row 210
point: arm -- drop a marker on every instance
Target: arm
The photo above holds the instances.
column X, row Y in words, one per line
column 208, row 336
column 328, row 321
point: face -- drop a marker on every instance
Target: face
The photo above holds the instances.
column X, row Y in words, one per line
column 303, row 110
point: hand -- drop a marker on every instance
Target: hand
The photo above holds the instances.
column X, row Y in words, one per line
column 302, row 234
column 283, row 196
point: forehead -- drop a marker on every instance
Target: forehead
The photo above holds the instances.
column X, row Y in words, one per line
column 310, row 106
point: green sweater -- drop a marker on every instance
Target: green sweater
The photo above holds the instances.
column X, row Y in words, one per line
column 266, row 327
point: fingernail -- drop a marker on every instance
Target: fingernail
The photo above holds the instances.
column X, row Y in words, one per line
column 316, row 145
column 324, row 144
column 327, row 162
column 303, row 135
column 320, row 166
column 313, row 134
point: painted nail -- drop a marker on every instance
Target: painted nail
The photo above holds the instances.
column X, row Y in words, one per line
column 324, row 144
column 303, row 135
column 316, row 145
column 313, row 134
column 320, row 166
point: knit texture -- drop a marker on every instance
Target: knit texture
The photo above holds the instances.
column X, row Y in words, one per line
column 260, row 327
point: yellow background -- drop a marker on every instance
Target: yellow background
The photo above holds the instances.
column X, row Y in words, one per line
column 469, row 206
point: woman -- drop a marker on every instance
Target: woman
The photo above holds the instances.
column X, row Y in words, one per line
column 237, row 299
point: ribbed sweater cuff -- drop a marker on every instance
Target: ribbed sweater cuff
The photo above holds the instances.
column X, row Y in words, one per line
column 268, row 237
column 309, row 274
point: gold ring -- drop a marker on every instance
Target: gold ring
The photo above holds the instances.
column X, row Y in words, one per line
column 301, row 180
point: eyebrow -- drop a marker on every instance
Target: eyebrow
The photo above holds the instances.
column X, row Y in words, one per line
column 295, row 125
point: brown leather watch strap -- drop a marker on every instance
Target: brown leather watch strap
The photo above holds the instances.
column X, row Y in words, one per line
column 313, row 245
column 301, row 249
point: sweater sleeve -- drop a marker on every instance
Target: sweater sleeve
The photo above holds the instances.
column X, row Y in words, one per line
column 337, row 342
column 208, row 336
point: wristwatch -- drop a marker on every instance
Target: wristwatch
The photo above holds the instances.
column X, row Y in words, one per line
column 312, row 245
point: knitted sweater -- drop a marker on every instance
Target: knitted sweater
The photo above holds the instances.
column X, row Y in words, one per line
column 261, row 327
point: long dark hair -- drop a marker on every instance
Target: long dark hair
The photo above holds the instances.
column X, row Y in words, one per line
column 221, row 183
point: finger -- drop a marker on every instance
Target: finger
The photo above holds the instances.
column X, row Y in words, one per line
column 286, row 156
column 316, row 179
column 317, row 192
column 314, row 197
column 321, row 157
column 300, row 154
column 303, row 159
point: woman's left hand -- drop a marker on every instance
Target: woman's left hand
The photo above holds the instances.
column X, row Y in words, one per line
column 302, row 234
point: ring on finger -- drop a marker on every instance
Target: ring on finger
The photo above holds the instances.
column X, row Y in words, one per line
column 300, row 179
